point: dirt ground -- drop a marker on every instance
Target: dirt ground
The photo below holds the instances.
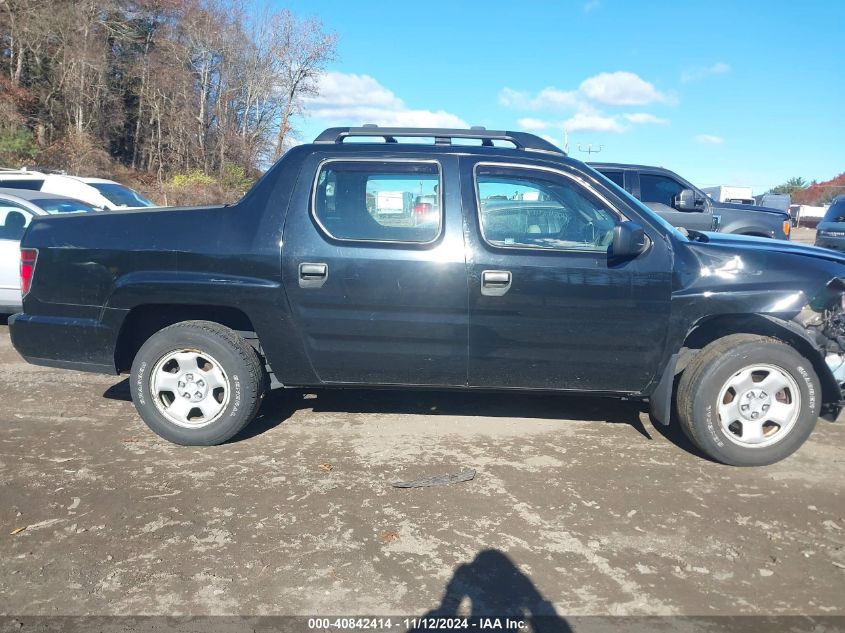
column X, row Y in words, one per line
column 579, row 506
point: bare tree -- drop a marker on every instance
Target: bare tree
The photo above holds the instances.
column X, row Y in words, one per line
column 303, row 50
column 161, row 86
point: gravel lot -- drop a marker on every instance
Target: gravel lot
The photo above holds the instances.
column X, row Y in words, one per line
column 579, row 505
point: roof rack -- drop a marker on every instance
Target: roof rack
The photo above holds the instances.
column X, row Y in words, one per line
column 442, row 136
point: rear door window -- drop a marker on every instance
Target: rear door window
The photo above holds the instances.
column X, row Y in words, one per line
column 616, row 176
column 379, row 201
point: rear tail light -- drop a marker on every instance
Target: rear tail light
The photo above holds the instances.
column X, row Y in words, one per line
column 28, row 258
column 421, row 208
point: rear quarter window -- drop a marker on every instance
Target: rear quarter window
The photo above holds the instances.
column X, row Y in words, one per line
column 13, row 222
column 379, row 201
column 22, row 183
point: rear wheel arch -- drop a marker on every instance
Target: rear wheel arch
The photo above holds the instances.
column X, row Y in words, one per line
column 143, row 321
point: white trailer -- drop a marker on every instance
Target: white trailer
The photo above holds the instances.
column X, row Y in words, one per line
column 806, row 215
column 393, row 202
column 730, row 193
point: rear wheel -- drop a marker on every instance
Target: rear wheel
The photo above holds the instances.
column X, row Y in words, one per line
column 197, row 383
column 748, row 400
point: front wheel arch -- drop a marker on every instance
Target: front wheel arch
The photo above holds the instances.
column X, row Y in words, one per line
column 710, row 329
column 746, row 419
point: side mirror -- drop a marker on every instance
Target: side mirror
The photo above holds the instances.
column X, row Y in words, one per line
column 629, row 240
column 686, row 200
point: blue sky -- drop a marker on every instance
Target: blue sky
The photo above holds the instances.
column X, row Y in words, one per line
column 737, row 93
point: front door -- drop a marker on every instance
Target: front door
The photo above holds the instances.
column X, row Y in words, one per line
column 658, row 192
column 374, row 269
column 548, row 309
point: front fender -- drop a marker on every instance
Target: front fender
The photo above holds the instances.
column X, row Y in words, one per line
column 711, row 328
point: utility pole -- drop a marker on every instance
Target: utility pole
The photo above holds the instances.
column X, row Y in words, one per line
column 589, row 149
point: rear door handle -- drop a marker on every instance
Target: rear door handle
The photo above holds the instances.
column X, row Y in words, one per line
column 495, row 283
column 313, row 275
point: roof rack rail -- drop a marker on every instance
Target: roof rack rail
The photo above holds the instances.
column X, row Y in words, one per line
column 442, row 136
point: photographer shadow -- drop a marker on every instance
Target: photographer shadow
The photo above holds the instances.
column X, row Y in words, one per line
column 496, row 588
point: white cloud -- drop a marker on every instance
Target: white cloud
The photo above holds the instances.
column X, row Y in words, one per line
column 534, row 124
column 579, row 122
column 709, row 139
column 348, row 98
column 620, row 88
column 700, row 72
column 583, row 122
column 591, row 5
column 591, row 120
column 546, row 99
column 643, row 117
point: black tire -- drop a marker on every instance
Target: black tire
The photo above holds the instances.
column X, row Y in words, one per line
column 712, row 369
column 243, row 382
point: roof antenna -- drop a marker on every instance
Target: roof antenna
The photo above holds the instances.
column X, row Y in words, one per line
column 565, row 141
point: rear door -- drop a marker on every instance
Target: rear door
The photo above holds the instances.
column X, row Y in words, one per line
column 548, row 310
column 376, row 282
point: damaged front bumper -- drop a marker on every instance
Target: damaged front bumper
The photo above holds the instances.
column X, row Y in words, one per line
column 824, row 320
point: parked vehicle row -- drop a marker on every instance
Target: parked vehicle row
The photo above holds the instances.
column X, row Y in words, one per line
column 530, row 272
column 684, row 205
column 17, row 208
column 97, row 192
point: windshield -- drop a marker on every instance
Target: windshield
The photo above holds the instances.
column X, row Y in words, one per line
column 836, row 212
column 639, row 205
column 121, row 196
column 63, row 205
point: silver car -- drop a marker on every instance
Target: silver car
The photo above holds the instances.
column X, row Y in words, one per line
column 17, row 208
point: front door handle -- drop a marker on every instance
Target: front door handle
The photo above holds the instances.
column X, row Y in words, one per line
column 495, row 283
column 313, row 275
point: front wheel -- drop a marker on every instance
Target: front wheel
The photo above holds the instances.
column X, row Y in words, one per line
column 197, row 383
column 748, row 400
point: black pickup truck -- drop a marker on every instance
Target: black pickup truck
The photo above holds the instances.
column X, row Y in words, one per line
column 484, row 260
column 684, row 205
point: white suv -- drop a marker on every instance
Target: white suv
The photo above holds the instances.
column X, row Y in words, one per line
column 100, row 193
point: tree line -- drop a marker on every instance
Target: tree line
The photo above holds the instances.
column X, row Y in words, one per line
column 161, row 87
column 812, row 193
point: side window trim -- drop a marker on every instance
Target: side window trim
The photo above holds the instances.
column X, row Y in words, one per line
column 407, row 161
column 548, row 170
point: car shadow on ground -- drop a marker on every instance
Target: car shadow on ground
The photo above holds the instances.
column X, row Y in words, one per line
column 280, row 404
column 493, row 586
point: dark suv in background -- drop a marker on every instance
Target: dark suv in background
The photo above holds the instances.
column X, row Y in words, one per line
column 830, row 233
column 684, row 205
